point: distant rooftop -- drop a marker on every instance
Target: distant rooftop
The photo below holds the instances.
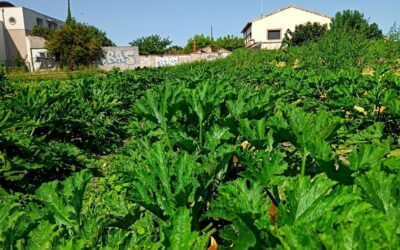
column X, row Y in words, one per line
column 282, row 9
column 4, row 4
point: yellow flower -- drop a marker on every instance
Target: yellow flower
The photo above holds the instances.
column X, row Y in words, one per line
column 360, row 110
column 368, row 72
column 380, row 109
column 323, row 96
column 213, row 244
column 244, row 144
column 281, row 64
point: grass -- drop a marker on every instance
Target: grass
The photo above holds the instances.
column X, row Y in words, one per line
column 21, row 76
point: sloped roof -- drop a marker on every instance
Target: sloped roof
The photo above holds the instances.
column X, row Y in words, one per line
column 282, row 9
column 4, row 4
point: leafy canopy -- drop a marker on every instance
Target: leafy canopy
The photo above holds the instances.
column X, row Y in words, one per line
column 304, row 33
column 42, row 31
column 76, row 44
column 228, row 42
column 355, row 21
column 152, row 45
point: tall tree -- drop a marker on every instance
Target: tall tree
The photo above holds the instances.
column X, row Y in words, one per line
column 152, row 45
column 69, row 15
column 355, row 21
column 76, row 44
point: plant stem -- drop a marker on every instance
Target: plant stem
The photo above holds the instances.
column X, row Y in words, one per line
column 303, row 163
column 201, row 134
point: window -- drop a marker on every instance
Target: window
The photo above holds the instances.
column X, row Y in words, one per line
column 12, row 20
column 39, row 21
column 274, row 35
column 248, row 37
column 52, row 25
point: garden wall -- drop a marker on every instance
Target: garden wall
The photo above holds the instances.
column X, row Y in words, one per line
column 127, row 58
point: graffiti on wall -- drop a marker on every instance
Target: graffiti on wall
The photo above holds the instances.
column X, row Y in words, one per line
column 117, row 56
column 162, row 61
column 42, row 60
column 127, row 58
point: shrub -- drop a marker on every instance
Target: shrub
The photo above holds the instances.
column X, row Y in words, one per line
column 42, row 31
column 229, row 42
column 202, row 41
column 76, row 44
column 394, row 32
column 304, row 33
column 335, row 50
column 354, row 21
column 3, row 74
column 151, row 45
column 175, row 50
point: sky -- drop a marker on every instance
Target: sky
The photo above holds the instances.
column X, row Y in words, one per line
column 126, row 20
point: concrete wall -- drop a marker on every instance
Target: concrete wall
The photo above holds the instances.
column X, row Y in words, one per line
column 3, row 54
column 30, row 19
column 41, row 60
column 16, row 13
column 127, row 58
column 38, row 57
column 282, row 20
column 173, row 60
column 15, row 33
column 122, row 57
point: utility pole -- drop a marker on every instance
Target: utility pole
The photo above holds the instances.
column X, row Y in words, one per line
column 212, row 35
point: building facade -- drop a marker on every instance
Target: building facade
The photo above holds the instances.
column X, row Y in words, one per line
column 267, row 32
column 16, row 24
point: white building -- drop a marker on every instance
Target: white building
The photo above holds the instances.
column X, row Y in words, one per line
column 267, row 32
column 16, row 24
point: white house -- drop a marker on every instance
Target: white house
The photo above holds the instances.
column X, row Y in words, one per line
column 267, row 32
column 16, row 24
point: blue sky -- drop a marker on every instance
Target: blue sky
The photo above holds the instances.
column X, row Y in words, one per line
column 125, row 20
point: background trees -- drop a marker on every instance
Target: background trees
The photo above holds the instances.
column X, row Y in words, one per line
column 304, row 33
column 152, row 45
column 228, row 42
column 355, row 21
column 76, row 44
column 42, row 31
column 157, row 45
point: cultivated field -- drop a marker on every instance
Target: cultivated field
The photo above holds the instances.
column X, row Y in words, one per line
column 259, row 150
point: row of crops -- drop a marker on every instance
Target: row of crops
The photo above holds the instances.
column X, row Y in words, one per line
column 240, row 153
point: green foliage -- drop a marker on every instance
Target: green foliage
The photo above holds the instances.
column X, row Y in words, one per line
column 335, row 50
column 304, row 33
column 151, row 45
column 202, row 41
column 3, row 73
column 42, row 31
column 354, row 21
column 69, row 15
column 19, row 62
column 394, row 32
column 76, row 44
column 248, row 152
column 175, row 50
column 229, row 42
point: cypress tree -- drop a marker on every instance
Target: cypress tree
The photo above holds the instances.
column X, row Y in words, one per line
column 69, row 16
